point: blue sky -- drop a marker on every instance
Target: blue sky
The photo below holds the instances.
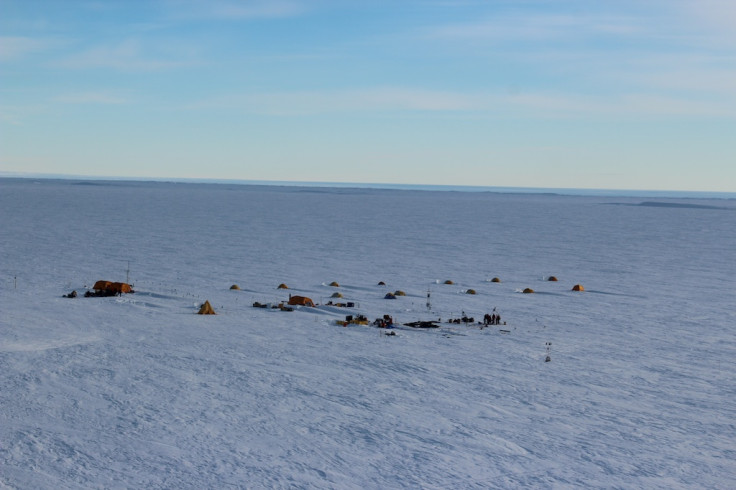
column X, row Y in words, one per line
column 574, row 94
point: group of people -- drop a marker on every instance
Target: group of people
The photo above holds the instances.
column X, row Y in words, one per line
column 492, row 318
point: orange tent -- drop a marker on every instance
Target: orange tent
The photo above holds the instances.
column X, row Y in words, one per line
column 301, row 301
column 102, row 285
column 528, row 290
column 112, row 287
column 552, row 278
column 495, row 279
column 578, row 287
column 283, row 286
column 120, row 287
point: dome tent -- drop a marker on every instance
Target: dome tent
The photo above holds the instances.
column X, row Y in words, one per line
column 102, row 285
column 301, row 301
column 578, row 287
column 108, row 288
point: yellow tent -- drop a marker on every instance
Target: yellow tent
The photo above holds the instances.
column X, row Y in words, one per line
column 206, row 309
column 578, row 287
column 234, row 286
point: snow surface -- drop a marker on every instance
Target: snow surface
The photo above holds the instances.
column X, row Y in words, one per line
column 138, row 391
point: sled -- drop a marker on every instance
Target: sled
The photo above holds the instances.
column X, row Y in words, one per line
column 422, row 324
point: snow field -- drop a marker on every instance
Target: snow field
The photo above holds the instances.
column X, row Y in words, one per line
column 138, row 391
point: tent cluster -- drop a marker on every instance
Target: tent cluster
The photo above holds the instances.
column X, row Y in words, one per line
column 297, row 300
column 576, row 287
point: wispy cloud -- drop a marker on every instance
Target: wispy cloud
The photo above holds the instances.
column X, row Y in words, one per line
column 14, row 47
column 643, row 26
column 714, row 14
column 128, row 55
column 520, row 26
column 90, row 98
column 15, row 115
column 534, row 105
column 236, row 10
column 358, row 100
column 626, row 106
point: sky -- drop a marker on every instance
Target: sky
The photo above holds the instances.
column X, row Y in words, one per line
column 605, row 94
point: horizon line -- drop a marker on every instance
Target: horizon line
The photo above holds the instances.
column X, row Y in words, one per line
column 573, row 191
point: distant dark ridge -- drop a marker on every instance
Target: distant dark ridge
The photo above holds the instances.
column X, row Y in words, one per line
column 351, row 186
column 657, row 204
column 678, row 205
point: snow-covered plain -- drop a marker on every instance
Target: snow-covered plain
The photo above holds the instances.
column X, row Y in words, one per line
column 138, row 391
